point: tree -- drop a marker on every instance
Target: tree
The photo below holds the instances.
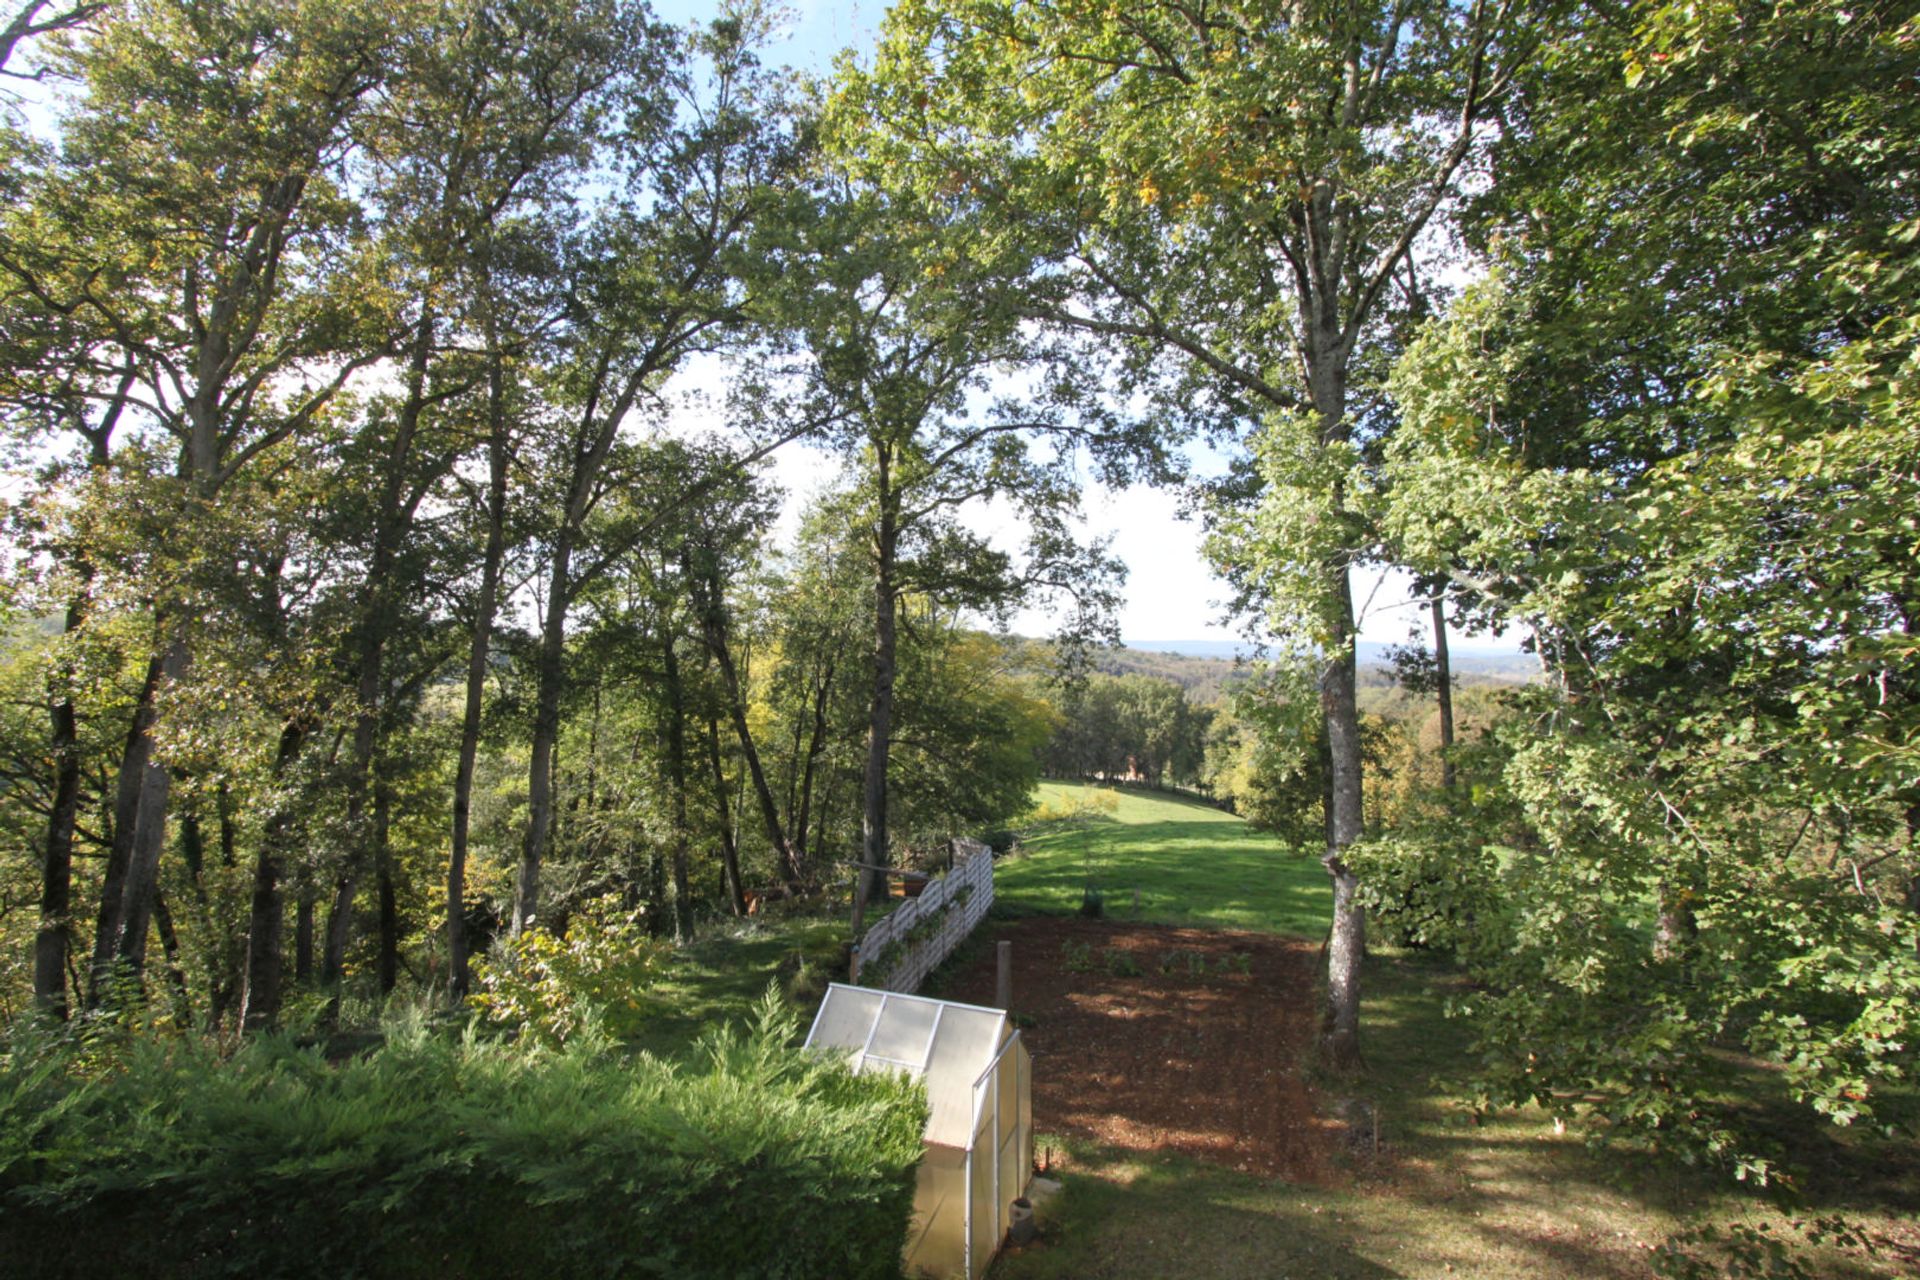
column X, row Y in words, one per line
column 657, row 278
column 32, row 19
column 196, row 224
column 491, row 122
column 1234, row 196
column 1673, row 435
column 902, row 316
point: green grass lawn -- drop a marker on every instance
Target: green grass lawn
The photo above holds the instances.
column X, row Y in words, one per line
column 1504, row 1197
column 1190, row 863
column 1187, row 862
column 721, row 974
column 1507, row 1198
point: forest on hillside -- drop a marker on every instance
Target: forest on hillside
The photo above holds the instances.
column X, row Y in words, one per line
column 399, row 596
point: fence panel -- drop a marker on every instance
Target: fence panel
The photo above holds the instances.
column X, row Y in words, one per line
column 900, row 951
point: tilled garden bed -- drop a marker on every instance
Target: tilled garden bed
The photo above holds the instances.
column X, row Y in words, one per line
column 1153, row 1038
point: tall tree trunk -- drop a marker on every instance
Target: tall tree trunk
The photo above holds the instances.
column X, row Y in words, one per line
column 549, row 676
column 261, row 986
column 388, row 965
column 229, row 951
column 176, row 970
column 54, row 939
column 729, row 851
column 126, row 809
column 149, row 837
column 214, row 955
column 260, row 991
column 305, row 907
column 871, row 882
column 1340, row 710
column 714, row 629
column 816, row 743
column 392, row 519
column 458, row 944
column 337, row 934
column 56, row 878
column 677, row 783
column 1443, row 675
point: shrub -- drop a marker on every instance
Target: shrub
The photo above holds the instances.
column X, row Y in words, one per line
column 438, row 1156
column 1076, row 807
column 551, row 988
column 820, row 957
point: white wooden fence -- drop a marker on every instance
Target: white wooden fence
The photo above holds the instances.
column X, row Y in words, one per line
column 900, row 951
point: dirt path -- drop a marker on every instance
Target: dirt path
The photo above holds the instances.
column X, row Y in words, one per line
column 1200, row 1052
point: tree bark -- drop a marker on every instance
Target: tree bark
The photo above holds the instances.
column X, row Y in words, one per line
column 870, row 882
column 682, row 897
column 549, row 674
column 1340, row 711
column 216, row 959
column 723, row 804
column 261, row 986
column 260, row 994
column 56, row 878
column 306, row 907
column 816, row 743
column 54, row 938
column 714, row 630
column 126, row 808
column 176, row 970
column 458, row 944
column 149, row 836
column 1443, row 674
column 388, row 964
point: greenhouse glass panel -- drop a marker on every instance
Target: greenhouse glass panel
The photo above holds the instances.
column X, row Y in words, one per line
column 844, row 1023
column 982, row 1220
column 903, row 1033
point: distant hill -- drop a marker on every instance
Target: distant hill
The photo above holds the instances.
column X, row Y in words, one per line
column 1208, row 669
column 1500, row 665
column 1205, row 677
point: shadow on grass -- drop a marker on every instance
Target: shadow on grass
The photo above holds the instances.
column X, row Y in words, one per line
column 719, row 977
column 1122, row 1215
column 1511, row 1180
column 1506, row 1199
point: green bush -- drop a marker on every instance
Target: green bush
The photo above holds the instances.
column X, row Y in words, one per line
column 551, row 988
column 440, row 1156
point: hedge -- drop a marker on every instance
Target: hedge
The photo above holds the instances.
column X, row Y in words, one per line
column 450, row 1157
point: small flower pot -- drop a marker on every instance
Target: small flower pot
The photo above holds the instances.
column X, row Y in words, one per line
column 1021, row 1227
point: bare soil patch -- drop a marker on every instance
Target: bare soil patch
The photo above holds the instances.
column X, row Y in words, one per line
column 1199, row 1052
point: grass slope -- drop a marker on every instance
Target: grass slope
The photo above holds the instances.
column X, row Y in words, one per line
column 1501, row 1197
column 1189, row 863
column 1504, row 1198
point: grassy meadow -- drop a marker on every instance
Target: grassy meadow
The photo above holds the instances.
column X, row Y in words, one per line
column 1162, row 859
column 1448, row 1194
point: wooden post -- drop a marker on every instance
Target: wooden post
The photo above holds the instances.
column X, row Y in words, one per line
column 1003, row 985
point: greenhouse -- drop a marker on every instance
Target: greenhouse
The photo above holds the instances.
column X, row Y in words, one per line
column 979, row 1134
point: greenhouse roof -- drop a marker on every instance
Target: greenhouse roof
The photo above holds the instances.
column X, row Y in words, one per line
column 946, row 1044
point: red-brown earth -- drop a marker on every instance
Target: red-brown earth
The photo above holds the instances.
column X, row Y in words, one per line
column 1200, row 1052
